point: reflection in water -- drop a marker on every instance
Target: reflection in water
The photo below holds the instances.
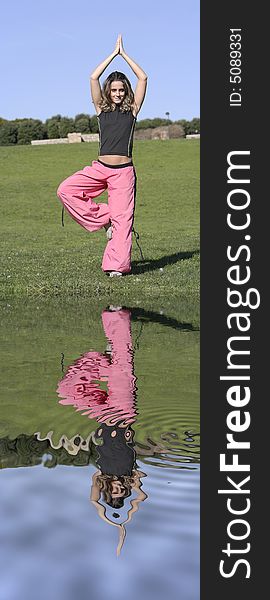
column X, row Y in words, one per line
column 102, row 386
column 82, row 384
column 47, row 522
column 114, row 408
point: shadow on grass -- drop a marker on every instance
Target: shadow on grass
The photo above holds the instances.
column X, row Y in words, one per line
column 143, row 266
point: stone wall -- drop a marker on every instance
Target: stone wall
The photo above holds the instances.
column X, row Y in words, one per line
column 90, row 137
column 72, row 138
column 194, row 136
column 165, row 132
column 43, row 142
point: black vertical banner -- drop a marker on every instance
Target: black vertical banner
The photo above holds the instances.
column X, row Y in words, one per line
column 234, row 277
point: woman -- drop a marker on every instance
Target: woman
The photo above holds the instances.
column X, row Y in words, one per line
column 117, row 108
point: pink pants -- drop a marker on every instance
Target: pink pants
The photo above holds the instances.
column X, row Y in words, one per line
column 77, row 193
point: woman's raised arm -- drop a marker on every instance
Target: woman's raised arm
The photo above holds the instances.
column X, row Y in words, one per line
column 94, row 77
column 140, row 89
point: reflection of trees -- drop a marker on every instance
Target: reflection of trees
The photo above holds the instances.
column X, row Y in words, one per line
column 26, row 451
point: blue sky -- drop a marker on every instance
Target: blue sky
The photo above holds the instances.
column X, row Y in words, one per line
column 48, row 49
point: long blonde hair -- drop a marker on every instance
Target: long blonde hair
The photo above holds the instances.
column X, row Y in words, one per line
column 105, row 484
column 106, row 104
column 98, row 484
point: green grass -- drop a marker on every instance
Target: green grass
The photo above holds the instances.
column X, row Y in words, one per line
column 35, row 335
column 41, row 259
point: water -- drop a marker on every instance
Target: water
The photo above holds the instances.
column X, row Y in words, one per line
column 104, row 400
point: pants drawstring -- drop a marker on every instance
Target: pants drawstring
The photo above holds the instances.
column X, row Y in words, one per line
column 137, row 237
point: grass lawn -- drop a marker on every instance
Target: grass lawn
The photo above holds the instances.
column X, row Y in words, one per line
column 42, row 259
column 38, row 334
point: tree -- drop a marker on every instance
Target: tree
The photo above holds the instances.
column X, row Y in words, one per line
column 144, row 124
column 65, row 126
column 195, row 125
column 52, row 127
column 57, row 118
column 81, row 116
column 8, row 133
column 156, row 122
column 94, row 128
column 30, row 129
column 83, row 125
column 185, row 125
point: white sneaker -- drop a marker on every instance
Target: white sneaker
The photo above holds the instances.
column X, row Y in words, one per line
column 109, row 233
column 114, row 308
column 115, row 274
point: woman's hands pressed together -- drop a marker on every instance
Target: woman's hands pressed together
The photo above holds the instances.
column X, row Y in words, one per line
column 119, row 45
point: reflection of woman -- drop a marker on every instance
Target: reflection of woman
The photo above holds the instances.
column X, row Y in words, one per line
column 117, row 107
column 117, row 477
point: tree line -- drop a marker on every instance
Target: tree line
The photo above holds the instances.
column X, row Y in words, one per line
column 22, row 131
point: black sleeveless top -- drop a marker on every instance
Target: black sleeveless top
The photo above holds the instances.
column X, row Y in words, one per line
column 116, row 131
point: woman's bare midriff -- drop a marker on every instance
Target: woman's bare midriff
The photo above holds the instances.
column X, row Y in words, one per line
column 113, row 159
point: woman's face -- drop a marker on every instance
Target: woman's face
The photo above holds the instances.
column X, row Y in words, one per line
column 117, row 489
column 117, row 92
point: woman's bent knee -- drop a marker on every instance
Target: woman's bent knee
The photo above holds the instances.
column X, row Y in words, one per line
column 61, row 190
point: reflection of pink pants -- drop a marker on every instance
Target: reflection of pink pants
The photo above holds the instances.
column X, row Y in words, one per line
column 77, row 193
column 81, row 386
